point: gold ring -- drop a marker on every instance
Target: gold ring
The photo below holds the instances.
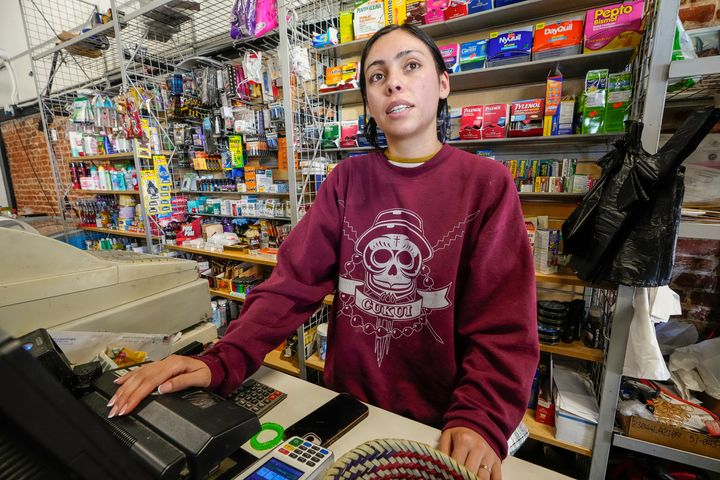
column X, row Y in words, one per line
column 485, row 467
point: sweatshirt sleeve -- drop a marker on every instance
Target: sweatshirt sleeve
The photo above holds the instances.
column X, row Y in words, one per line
column 496, row 324
column 305, row 273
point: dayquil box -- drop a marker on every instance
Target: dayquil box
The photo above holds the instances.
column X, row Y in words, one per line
column 557, row 39
column 613, row 27
column 495, row 120
column 471, row 123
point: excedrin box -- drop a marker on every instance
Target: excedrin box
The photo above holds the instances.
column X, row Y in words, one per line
column 510, row 47
column 526, row 118
column 613, row 27
column 495, row 120
column 473, row 55
column 471, row 123
column 557, row 39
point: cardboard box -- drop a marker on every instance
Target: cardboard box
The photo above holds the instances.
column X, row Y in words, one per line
column 526, row 118
column 477, row 6
column 557, row 39
column 455, row 118
column 435, row 11
column 618, row 101
column 368, row 18
column 670, row 436
column 346, row 27
column 553, row 95
column 567, row 116
column 495, row 120
column 451, row 55
column 250, row 179
column 349, row 134
column 415, row 12
column 613, row 27
column 210, row 229
column 504, row 3
column 456, row 9
column 506, row 48
column 473, row 55
column 349, row 72
column 264, row 179
column 333, row 75
column 471, row 122
column 395, row 12
column 595, row 101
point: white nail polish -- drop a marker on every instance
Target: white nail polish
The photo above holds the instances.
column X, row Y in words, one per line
column 112, row 401
column 122, row 412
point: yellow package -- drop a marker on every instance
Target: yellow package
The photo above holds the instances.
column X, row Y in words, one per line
column 346, row 27
column 349, row 71
column 125, row 357
column 333, row 75
column 395, row 12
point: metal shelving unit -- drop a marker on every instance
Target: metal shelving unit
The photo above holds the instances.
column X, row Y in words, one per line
column 667, row 453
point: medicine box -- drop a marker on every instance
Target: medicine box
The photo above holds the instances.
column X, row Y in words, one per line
column 613, row 27
column 495, row 120
column 346, row 27
column 473, row 55
column 434, row 11
column 333, row 75
column 349, row 134
column 395, row 12
column 595, row 101
column 553, row 95
column 505, row 3
column 618, row 101
column 349, row 72
column 415, row 12
column 510, row 47
column 450, row 54
column 455, row 116
column 526, row 118
column 567, row 115
column 456, row 9
column 557, row 39
column 471, row 123
column 368, row 19
column 476, row 6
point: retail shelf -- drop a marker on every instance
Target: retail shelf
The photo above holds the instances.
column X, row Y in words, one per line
column 230, row 296
column 694, row 67
column 668, row 453
column 275, row 360
column 112, row 156
column 315, row 363
column 240, row 216
column 564, row 278
column 555, row 196
column 520, row 73
column 121, row 233
column 108, row 192
column 259, row 194
column 576, row 349
column 260, row 259
column 497, row 17
column 546, row 434
column 705, row 231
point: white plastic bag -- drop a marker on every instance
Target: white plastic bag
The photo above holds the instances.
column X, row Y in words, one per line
column 705, row 358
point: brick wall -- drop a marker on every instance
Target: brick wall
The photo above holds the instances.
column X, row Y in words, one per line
column 696, row 279
column 29, row 164
column 699, row 13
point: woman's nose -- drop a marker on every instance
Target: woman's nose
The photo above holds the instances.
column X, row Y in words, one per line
column 394, row 84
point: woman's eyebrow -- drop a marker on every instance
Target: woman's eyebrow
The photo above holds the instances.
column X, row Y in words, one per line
column 398, row 56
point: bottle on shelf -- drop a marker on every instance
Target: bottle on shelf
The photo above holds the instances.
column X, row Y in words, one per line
column 102, row 182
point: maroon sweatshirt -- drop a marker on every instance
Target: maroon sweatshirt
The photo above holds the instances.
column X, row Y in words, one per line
column 434, row 316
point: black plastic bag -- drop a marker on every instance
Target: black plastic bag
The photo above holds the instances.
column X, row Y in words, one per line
column 625, row 229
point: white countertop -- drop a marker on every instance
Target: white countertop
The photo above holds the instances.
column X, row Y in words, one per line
column 304, row 397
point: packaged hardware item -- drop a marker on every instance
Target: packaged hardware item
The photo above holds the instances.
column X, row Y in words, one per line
column 495, row 120
column 346, row 27
column 595, row 101
column 450, row 54
column 434, row 11
column 618, row 101
column 395, row 12
column 557, row 39
column 473, row 55
column 415, row 12
column 471, row 123
column 476, row 6
column 456, row 9
column 264, row 179
column 349, row 134
column 553, row 94
column 333, row 75
column 368, row 18
column 526, row 118
column 510, row 47
column 613, row 27
column 567, row 115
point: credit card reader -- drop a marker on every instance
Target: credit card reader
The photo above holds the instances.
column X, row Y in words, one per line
column 294, row 459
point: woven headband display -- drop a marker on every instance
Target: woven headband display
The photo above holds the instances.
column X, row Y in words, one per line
column 396, row 459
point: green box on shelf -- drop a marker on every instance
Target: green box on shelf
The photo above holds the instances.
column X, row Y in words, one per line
column 595, row 101
column 331, row 135
column 618, row 101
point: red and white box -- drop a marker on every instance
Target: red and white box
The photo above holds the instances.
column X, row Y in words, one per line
column 495, row 120
column 526, row 118
column 471, row 122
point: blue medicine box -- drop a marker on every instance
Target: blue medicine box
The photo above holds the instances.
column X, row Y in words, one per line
column 476, row 6
column 510, row 47
column 504, row 3
column 473, row 55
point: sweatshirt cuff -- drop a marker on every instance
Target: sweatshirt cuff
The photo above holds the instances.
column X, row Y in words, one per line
column 217, row 370
column 501, row 449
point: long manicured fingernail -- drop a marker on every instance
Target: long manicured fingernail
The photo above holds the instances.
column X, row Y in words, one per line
column 112, row 412
column 117, row 380
column 112, row 401
column 122, row 412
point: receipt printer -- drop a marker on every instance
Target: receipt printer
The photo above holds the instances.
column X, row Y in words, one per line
column 205, row 427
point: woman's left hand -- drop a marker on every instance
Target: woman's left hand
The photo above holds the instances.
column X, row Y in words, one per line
column 470, row 449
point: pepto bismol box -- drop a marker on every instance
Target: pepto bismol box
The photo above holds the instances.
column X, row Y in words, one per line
column 495, row 120
column 557, row 39
column 526, row 118
column 613, row 27
column 471, row 123
column 509, row 47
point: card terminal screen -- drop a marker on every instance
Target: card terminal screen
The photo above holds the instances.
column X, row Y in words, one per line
column 274, row 469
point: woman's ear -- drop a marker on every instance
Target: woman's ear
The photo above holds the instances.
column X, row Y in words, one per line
column 444, row 85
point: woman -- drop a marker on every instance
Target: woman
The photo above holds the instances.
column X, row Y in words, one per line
column 426, row 246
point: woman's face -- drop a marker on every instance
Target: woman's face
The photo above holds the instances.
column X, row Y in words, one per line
column 404, row 87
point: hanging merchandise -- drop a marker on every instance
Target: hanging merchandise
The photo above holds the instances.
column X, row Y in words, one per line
column 625, row 229
column 242, row 19
column 81, row 110
column 151, row 192
column 300, row 62
column 252, row 64
column 131, row 118
column 164, row 183
column 266, row 18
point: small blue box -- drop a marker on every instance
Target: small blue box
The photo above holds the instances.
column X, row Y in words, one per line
column 476, row 6
column 504, row 3
column 473, row 55
column 510, row 47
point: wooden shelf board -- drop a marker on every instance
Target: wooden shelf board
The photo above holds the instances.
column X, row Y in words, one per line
column 229, row 296
column 108, row 192
column 240, row 257
column 315, row 363
column 546, row 434
column 111, row 231
column 576, row 349
column 275, row 360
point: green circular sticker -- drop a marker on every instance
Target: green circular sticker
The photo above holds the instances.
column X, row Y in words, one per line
column 273, row 442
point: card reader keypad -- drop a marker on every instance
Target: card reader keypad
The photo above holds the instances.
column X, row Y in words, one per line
column 304, row 452
column 257, row 397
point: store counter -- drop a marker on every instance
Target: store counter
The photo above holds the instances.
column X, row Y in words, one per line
column 304, row 397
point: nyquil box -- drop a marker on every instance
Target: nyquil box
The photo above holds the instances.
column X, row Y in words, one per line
column 510, row 47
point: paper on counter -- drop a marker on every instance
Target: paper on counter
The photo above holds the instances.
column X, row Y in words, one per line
column 83, row 347
column 574, row 394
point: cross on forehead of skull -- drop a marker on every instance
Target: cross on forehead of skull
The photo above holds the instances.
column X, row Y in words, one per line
column 392, row 263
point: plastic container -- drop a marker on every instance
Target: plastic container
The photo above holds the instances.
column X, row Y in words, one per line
column 321, row 337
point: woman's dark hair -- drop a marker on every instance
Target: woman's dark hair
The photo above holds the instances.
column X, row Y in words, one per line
column 443, row 119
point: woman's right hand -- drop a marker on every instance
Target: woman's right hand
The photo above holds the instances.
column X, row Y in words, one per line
column 171, row 374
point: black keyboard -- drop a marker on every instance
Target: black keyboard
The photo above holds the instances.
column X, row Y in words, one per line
column 257, row 397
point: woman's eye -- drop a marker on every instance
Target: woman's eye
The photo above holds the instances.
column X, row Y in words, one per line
column 412, row 66
column 376, row 77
